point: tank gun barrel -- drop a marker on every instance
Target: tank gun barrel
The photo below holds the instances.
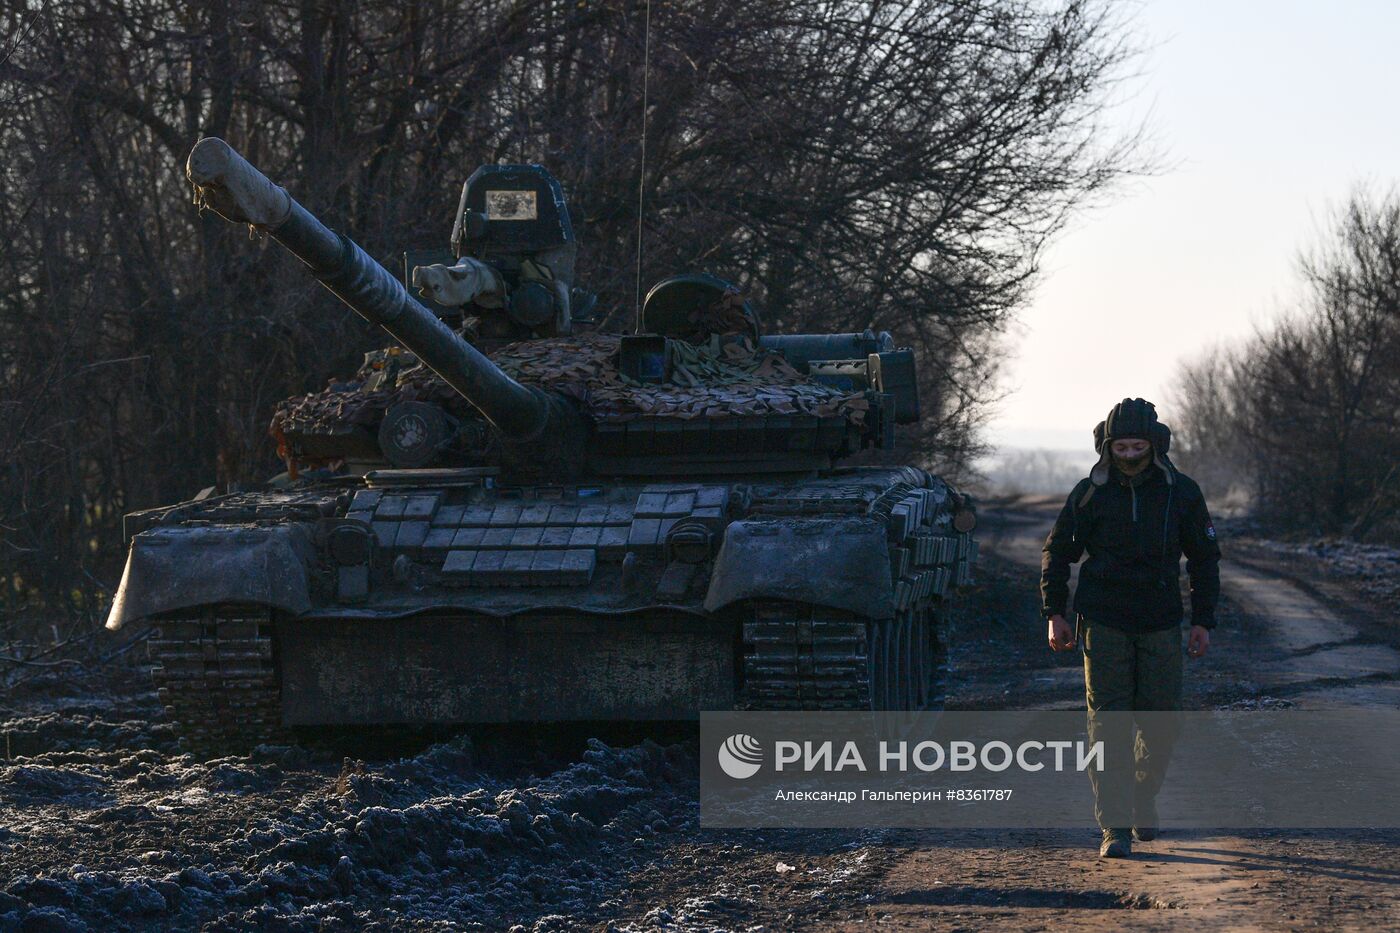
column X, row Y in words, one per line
column 229, row 185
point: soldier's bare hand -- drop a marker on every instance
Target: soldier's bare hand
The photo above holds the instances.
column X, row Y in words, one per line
column 1061, row 635
column 1198, row 642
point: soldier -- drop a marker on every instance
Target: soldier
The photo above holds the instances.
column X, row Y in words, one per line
column 1134, row 515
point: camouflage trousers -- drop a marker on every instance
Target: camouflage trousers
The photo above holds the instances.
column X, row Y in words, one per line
column 1125, row 674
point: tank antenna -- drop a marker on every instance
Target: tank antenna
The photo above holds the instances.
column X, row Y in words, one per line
column 642, row 171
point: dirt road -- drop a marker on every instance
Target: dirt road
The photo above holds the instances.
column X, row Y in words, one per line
column 1281, row 641
column 105, row 825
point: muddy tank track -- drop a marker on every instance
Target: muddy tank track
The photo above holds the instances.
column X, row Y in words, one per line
column 802, row 657
column 215, row 675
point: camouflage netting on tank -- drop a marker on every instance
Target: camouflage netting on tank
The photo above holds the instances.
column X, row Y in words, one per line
column 713, row 380
column 347, row 405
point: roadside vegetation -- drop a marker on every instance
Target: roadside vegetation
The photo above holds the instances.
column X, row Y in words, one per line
column 1303, row 417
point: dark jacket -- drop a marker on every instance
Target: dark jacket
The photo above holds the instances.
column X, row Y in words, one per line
column 1134, row 533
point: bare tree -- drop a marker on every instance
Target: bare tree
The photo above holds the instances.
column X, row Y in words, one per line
column 1315, row 397
column 1210, row 440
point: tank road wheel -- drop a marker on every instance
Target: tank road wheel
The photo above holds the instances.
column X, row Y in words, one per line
column 908, row 668
column 798, row 656
column 892, row 675
column 904, row 672
column 887, row 695
column 879, row 668
column 215, row 675
column 923, row 659
column 931, row 669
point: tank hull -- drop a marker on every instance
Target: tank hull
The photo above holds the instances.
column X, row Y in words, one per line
column 437, row 597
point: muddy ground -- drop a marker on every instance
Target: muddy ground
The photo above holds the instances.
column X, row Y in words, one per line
column 105, row 825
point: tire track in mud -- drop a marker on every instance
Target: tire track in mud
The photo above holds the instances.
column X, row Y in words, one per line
column 1323, row 658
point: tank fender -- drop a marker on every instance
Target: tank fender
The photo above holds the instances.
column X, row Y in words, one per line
column 842, row 563
column 177, row 567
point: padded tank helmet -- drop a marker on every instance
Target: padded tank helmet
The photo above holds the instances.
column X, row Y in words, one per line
column 1131, row 418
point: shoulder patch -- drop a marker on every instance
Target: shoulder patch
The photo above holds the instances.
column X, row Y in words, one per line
column 1210, row 530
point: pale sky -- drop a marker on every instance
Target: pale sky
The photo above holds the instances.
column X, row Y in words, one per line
column 1267, row 113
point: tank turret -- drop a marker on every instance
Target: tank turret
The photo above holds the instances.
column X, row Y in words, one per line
column 227, row 184
column 698, row 390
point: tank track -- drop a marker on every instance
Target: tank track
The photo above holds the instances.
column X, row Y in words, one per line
column 803, row 657
column 215, row 675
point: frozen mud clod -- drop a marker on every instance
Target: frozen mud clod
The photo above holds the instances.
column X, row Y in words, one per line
column 107, row 825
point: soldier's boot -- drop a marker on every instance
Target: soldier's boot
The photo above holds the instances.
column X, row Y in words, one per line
column 1117, row 843
column 1145, row 819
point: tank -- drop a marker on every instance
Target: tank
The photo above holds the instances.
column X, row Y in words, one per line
column 631, row 527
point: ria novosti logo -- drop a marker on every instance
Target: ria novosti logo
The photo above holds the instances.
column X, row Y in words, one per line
column 740, row 756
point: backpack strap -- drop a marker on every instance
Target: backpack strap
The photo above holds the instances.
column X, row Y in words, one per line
column 1088, row 494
